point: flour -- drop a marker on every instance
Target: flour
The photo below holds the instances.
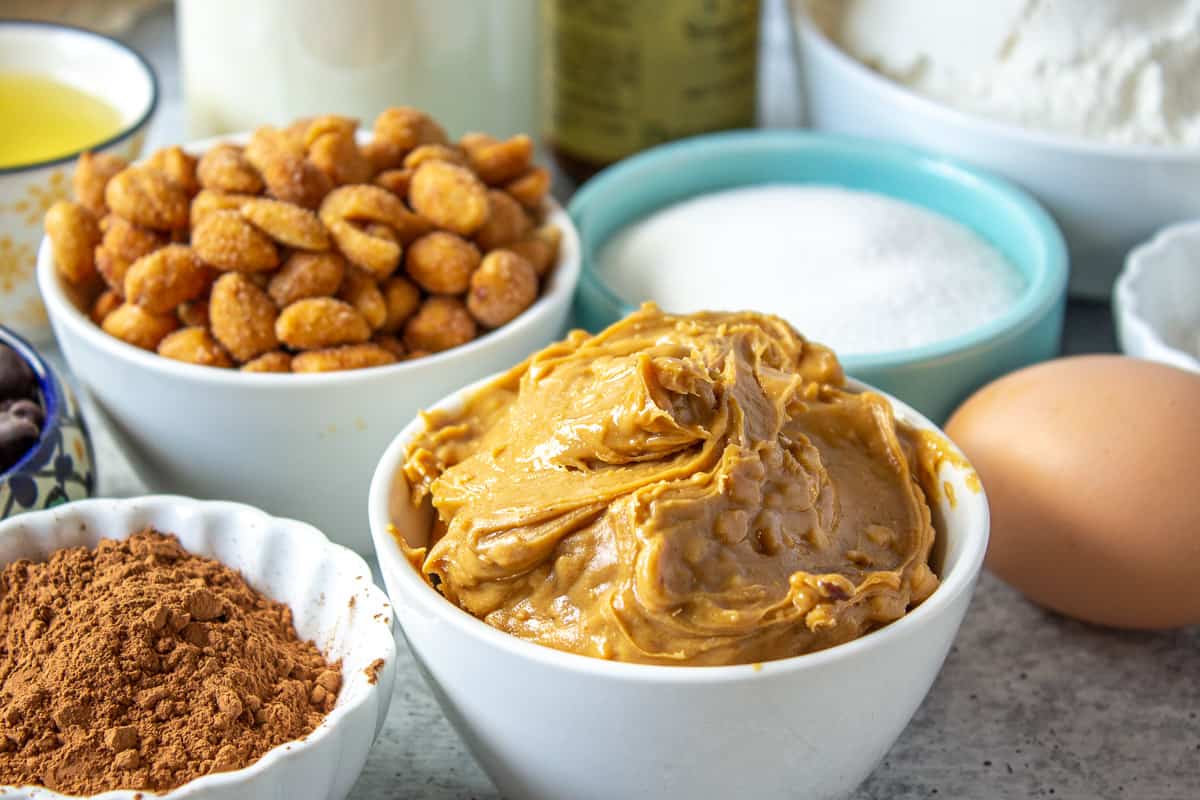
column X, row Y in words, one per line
column 1118, row 71
column 860, row 272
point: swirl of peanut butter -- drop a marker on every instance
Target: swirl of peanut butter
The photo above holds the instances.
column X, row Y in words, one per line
column 694, row 489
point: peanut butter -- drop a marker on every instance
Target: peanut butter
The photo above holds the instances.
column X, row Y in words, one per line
column 696, row 490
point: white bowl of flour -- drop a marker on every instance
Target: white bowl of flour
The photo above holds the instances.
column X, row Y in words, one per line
column 1090, row 106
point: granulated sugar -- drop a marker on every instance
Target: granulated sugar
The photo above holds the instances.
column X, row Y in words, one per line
column 857, row 271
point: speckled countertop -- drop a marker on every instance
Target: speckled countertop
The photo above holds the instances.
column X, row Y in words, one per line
column 1029, row 704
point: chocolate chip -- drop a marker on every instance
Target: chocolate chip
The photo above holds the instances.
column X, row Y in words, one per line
column 17, row 436
column 16, row 376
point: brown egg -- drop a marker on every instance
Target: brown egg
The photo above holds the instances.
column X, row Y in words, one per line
column 1091, row 466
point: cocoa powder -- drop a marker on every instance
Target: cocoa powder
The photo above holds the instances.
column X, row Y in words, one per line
column 137, row 665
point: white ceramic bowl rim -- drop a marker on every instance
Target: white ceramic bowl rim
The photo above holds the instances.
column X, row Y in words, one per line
column 1127, row 303
column 562, row 282
column 954, row 582
column 313, row 539
column 813, row 36
column 127, row 130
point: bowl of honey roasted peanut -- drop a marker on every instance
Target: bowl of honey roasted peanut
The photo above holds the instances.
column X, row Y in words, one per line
column 687, row 546
column 253, row 314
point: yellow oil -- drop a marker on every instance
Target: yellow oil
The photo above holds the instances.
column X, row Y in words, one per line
column 43, row 119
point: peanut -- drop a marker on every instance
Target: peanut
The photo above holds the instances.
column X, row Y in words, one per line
column 194, row 346
column 360, row 290
column 439, row 324
column 274, row 361
column 441, row 262
column 504, row 285
column 449, row 196
column 227, row 241
column 74, row 234
column 136, row 326
column 290, row 225
column 306, row 275
column 92, row 174
column 402, row 298
column 242, row 317
column 352, row 356
column 225, row 169
column 148, row 197
column 160, row 281
column 507, row 222
column 321, row 322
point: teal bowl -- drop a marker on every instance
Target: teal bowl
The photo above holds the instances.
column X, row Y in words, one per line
column 933, row 378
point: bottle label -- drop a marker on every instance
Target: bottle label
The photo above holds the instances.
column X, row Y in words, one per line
column 623, row 75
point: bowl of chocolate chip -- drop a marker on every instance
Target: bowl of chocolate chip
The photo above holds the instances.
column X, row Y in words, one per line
column 45, row 451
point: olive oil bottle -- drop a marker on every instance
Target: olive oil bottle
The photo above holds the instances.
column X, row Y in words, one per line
column 623, row 75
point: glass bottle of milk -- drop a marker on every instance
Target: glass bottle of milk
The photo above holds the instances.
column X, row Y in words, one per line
column 470, row 63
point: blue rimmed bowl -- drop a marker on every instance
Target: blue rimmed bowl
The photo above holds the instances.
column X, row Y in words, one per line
column 60, row 467
column 932, row 378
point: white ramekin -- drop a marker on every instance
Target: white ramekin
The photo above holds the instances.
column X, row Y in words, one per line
column 333, row 603
column 303, row 445
column 1105, row 197
column 1156, row 302
column 547, row 724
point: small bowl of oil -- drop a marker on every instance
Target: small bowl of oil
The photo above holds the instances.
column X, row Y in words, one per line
column 63, row 91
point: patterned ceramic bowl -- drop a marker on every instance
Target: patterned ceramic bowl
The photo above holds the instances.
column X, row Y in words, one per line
column 101, row 67
column 60, row 467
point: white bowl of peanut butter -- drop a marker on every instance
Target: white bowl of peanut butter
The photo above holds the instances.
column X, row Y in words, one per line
column 683, row 558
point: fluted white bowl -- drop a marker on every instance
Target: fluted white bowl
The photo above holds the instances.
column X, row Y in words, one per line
column 333, row 601
column 1156, row 303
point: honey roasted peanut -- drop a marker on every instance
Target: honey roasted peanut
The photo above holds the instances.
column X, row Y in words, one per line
column 449, row 196
column 351, row 356
column 162, row 280
column 177, row 165
column 74, row 234
column 531, row 188
column 439, row 324
column 242, row 317
column 105, row 304
column 306, row 275
column 208, row 201
column 378, row 255
column 227, row 241
column 274, row 361
column 395, row 181
column 402, row 298
column 540, row 249
column 135, row 325
column 504, row 285
column 122, row 238
column 290, row 225
column 225, row 169
column 507, row 222
column 148, row 197
column 321, row 322
column 194, row 346
column 360, row 290
column 442, row 263
column 92, row 174
column 499, row 162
